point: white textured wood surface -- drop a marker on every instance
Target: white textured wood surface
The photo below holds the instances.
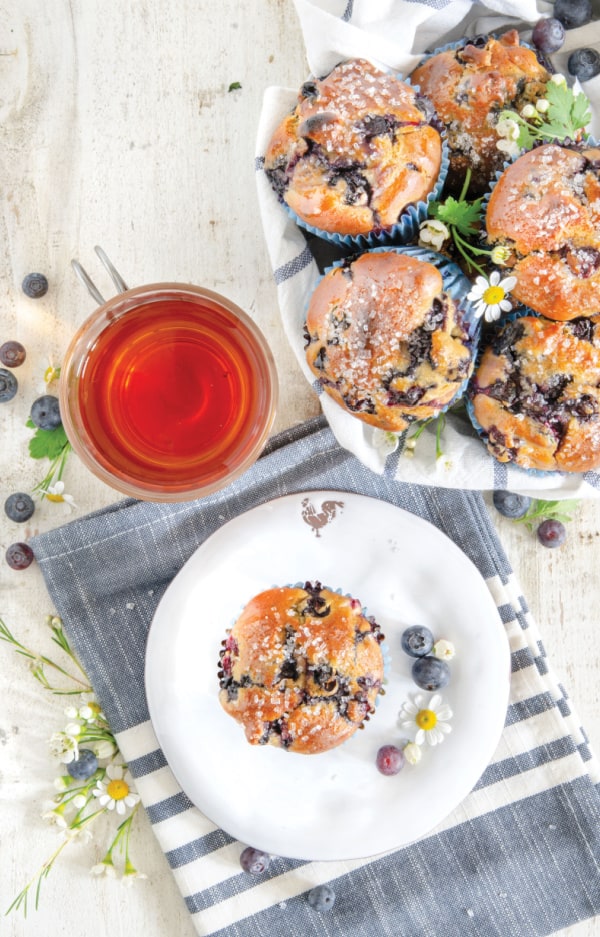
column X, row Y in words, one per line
column 117, row 128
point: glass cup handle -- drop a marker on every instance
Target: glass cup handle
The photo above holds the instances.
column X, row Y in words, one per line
column 89, row 283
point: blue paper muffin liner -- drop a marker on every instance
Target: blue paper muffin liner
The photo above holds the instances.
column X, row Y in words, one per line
column 521, row 313
column 406, row 228
column 454, row 281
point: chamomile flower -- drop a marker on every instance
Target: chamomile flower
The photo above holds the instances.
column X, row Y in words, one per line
column 57, row 494
column 433, row 233
column 430, row 719
column 115, row 791
column 490, row 295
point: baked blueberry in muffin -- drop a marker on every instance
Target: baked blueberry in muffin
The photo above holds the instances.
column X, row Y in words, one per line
column 545, row 208
column 301, row 668
column 535, row 396
column 358, row 149
column 385, row 339
column 469, row 85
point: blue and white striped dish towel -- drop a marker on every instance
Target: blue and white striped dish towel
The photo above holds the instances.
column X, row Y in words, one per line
column 518, row 858
column 394, row 34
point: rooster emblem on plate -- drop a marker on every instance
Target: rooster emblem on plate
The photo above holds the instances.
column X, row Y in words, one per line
column 320, row 518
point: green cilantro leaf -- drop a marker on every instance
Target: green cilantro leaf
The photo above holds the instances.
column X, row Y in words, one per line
column 567, row 112
column 540, row 510
column 47, row 443
column 234, row 86
column 460, row 214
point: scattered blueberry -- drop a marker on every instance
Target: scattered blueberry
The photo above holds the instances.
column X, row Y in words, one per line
column 19, row 556
column 552, row 533
column 8, row 385
column 19, row 507
column 12, row 354
column 584, row 64
column 35, row 285
column 431, row 674
column 45, row 412
column 321, row 898
column 83, row 767
column 389, row 760
column 548, row 35
column 417, row 641
column 573, row 13
column 254, row 861
column 510, row 504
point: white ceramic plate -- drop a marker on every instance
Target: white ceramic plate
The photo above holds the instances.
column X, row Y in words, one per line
column 334, row 805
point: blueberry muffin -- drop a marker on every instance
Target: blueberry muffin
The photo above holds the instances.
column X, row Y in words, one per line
column 357, row 150
column 545, row 208
column 469, row 85
column 535, row 395
column 301, row 668
column 386, row 341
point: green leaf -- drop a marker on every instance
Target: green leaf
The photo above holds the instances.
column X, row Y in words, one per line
column 540, row 510
column 461, row 214
column 567, row 113
column 234, row 86
column 48, row 443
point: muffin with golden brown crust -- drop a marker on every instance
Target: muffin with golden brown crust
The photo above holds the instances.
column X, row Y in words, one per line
column 469, row 85
column 301, row 668
column 386, row 340
column 356, row 153
column 545, row 208
column 535, row 395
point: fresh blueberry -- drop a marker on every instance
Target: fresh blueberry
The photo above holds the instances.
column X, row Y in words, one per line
column 417, row 641
column 19, row 507
column 552, row 533
column 573, row 13
column 35, row 285
column 321, row 898
column 12, row 354
column 584, row 64
column 510, row 504
column 431, row 674
column 548, row 35
column 83, row 767
column 45, row 412
column 8, row 385
column 254, row 861
column 389, row 760
column 19, row 556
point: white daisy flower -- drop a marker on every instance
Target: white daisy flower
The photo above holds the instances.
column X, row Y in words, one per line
column 117, row 792
column 433, row 233
column 489, row 296
column 430, row 719
column 56, row 493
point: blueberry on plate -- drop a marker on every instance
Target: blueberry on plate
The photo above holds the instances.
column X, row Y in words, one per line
column 573, row 13
column 83, row 767
column 19, row 555
column 548, row 35
column 35, row 285
column 417, row 641
column 389, row 760
column 552, row 533
column 12, row 354
column 584, row 64
column 8, row 385
column 321, row 898
column 254, row 861
column 430, row 673
column 510, row 504
column 45, row 412
column 19, row 507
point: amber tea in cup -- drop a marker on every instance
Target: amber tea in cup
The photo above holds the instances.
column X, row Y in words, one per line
column 168, row 392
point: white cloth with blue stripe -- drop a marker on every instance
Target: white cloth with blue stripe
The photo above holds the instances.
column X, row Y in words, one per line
column 395, row 34
column 517, row 858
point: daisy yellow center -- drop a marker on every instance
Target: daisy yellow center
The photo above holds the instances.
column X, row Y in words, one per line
column 493, row 295
column 117, row 789
column 55, row 498
column 426, row 719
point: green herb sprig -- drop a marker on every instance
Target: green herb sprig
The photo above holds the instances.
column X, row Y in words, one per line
column 566, row 116
column 540, row 510
column 49, row 444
